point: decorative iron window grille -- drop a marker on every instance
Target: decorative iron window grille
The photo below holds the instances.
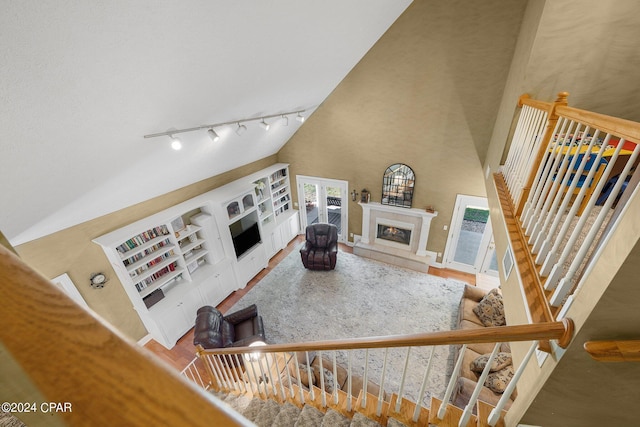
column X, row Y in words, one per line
column 397, row 185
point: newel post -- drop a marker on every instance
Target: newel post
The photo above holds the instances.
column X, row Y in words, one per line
column 552, row 120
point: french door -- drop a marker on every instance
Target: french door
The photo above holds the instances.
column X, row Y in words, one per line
column 470, row 245
column 324, row 200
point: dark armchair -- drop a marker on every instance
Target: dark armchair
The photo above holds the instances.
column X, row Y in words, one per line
column 239, row 329
column 321, row 248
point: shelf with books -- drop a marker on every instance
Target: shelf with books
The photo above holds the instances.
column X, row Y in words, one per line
column 166, row 278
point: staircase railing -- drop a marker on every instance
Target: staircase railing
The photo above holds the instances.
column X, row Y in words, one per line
column 276, row 371
column 566, row 178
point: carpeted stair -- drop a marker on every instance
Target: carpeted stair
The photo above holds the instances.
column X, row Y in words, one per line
column 268, row 413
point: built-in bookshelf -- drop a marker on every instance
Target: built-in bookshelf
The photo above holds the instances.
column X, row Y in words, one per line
column 265, row 204
column 200, row 251
column 280, row 191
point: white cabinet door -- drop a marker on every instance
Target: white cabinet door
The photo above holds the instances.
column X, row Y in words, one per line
column 290, row 229
column 172, row 323
column 176, row 320
column 251, row 264
column 219, row 286
column 275, row 241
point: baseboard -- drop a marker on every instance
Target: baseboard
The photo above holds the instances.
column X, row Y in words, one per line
column 434, row 257
column 144, row 340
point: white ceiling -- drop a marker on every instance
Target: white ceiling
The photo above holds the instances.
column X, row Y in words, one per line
column 81, row 83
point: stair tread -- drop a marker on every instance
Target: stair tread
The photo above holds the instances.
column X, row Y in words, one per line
column 267, row 414
column 253, row 409
column 287, row 416
column 334, row 418
column 309, row 417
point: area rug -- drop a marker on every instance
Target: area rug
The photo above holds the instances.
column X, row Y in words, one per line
column 361, row 298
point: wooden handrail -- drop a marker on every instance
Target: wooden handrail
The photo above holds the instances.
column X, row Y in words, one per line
column 538, row 305
column 626, row 129
column 561, row 331
column 74, row 357
column 614, row 351
column 525, row 99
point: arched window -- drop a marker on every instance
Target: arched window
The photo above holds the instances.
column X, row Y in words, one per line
column 397, row 185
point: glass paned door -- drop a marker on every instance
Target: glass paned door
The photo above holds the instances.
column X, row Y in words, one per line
column 324, row 200
column 334, row 197
column 470, row 235
column 311, row 202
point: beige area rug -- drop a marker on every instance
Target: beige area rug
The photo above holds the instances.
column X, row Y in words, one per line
column 361, row 298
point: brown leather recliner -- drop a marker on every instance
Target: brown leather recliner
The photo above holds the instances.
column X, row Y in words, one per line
column 321, row 248
column 239, row 329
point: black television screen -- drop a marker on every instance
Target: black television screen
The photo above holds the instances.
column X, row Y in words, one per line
column 246, row 239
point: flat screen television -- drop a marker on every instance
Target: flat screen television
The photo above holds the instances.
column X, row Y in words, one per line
column 245, row 235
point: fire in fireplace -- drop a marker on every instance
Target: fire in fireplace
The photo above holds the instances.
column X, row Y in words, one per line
column 394, row 234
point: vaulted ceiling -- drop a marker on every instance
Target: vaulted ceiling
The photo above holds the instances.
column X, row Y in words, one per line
column 82, row 82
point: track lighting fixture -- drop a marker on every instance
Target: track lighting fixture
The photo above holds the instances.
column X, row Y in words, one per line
column 240, row 129
column 176, row 143
column 213, row 135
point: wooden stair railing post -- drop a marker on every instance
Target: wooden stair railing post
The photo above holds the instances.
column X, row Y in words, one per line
column 552, row 119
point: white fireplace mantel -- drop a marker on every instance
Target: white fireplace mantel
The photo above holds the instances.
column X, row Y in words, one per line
column 395, row 210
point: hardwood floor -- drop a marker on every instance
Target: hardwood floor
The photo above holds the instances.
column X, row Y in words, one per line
column 183, row 352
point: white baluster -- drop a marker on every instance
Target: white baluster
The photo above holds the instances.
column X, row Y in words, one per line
column 558, row 269
column 560, row 182
column 381, row 394
column 565, row 284
column 402, row 380
column 349, row 375
column 243, row 379
column 211, row 361
column 423, row 387
column 234, row 374
column 494, row 416
column 468, row 410
column 365, row 379
column 312, row 393
column 295, row 360
column 286, row 368
column 323, row 395
column 558, row 161
column 335, row 378
column 452, row 382
column 542, row 242
column 544, row 168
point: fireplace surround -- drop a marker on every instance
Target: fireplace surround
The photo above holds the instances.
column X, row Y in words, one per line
column 395, row 235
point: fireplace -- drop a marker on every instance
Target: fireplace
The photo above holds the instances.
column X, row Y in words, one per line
column 393, row 233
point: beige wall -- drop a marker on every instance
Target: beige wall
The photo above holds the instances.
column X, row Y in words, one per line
column 71, row 251
column 557, row 47
column 426, row 95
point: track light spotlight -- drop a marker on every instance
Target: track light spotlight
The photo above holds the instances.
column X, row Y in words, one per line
column 241, row 129
column 176, row 144
column 213, row 135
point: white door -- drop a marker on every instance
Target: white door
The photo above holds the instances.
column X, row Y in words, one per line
column 470, row 236
column 324, row 200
